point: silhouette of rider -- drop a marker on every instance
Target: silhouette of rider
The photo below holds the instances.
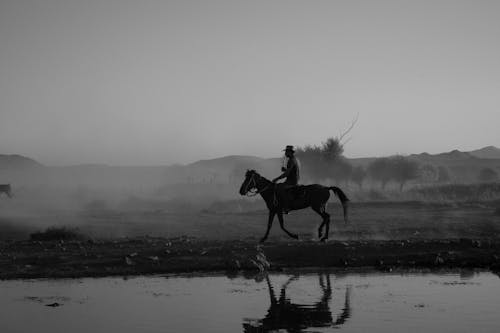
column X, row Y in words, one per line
column 291, row 173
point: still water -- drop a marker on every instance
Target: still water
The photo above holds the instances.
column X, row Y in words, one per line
column 312, row 302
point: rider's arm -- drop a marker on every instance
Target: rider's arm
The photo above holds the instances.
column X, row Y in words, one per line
column 279, row 177
column 283, row 175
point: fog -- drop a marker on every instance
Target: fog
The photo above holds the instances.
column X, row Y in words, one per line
column 86, row 195
column 202, row 198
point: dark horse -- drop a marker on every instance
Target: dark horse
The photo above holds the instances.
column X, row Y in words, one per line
column 283, row 314
column 314, row 196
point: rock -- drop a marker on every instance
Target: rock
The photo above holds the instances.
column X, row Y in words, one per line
column 438, row 260
column 55, row 304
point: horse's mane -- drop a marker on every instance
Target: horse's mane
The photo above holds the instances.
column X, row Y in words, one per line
column 250, row 172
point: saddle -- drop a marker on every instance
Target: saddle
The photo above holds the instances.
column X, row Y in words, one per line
column 296, row 192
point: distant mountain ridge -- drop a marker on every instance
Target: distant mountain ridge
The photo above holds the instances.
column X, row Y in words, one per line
column 486, row 152
column 483, row 157
column 17, row 162
column 19, row 170
column 235, row 161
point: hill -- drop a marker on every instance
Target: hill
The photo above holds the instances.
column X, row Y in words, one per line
column 486, row 152
column 17, row 169
column 230, row 168
column 17, row 162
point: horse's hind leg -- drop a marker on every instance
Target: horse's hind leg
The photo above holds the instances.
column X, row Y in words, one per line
column 326, row 216
column 320, row 229
column 326, row 222
column 282, row 225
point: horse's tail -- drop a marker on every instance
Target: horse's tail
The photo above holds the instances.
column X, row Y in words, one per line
column 343, row 200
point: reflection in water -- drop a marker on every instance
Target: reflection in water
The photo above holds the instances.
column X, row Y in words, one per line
column 283, row 314
column 382, row 302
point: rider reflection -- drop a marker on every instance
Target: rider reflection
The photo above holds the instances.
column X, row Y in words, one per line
column 291, row 317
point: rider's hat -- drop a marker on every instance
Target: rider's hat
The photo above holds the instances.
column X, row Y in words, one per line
column 289, row 148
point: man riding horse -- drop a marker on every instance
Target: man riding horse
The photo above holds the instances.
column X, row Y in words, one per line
column 292, row 174
column 278, row 199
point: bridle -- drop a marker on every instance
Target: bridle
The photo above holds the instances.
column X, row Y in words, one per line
column 253, row 184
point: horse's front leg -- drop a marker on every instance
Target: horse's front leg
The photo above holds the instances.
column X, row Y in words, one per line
column 269, row 224
column 282, row 225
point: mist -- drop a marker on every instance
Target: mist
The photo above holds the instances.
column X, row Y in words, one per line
column 117, row 201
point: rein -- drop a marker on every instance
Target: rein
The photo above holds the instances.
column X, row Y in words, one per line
column 252, row 194
column 249, row 188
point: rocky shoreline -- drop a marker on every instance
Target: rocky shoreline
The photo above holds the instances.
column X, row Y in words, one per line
column 139, row 256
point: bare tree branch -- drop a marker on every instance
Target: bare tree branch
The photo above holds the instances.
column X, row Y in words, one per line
column 342, row 135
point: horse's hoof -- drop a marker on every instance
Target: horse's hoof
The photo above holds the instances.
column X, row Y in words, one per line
column 262, row 240
column 295, row 237
column 323, row 240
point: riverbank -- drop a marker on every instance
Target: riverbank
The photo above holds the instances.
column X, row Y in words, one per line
column 147, row 255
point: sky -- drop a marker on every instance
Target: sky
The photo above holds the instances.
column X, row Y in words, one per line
column 124, row 82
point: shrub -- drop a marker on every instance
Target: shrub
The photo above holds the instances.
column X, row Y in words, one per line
column 57, row 234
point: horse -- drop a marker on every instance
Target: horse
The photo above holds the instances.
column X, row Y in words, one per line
column 315, row 196
column 283, row 314
column 5, row 188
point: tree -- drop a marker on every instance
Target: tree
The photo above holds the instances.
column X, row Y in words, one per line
column 487, row 175
column 325, row 161
column 332, row 149
column 314, row 165
column 403, row 170
column 379, row 170
column 397, row 168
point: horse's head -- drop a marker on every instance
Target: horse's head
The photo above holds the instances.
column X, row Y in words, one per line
column 250, row 182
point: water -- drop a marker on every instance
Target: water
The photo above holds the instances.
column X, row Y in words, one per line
column 279, row 303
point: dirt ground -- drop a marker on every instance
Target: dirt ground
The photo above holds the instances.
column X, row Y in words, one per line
column 384, row 236
column 57, row 259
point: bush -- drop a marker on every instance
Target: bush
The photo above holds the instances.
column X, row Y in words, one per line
column 57, row 234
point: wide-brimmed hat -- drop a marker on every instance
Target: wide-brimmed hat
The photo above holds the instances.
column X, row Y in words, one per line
column 289, row 148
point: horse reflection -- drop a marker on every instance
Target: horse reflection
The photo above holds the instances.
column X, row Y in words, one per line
column 283, row 314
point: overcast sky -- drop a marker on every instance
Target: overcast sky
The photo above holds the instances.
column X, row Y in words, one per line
column 160, row 82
